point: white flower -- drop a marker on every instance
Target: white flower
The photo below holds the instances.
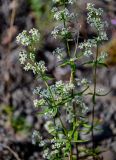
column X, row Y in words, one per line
column 66, row 1
column 84, row 81
column 35, row 35
column 38, row 103
column 61, row 15
column 41, row 66
column 46, row 153
column 37, row 90
column 22, row 57
column 35, row 102
column 28, row 67
column 94, row 17
column 55, row 32
column 36, row 137
column 59, row 53
column 23, row 38
column 26, row 38
column 64, row 32
column 71, row 1
column 102, row 57
column 87, row 47
column 44, row 93
column 102, row 36
column 59, row 84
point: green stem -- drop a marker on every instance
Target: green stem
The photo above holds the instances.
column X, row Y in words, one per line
column 71, row 154
column 76, row 44
column 66, row 41
column 94, row 100
column 73, row 69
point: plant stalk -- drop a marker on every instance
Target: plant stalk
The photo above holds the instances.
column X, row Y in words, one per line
column 94, row 100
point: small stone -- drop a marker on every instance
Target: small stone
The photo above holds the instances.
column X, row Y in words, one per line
column 113, row 82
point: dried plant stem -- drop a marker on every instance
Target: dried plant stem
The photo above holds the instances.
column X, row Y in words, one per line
column 12, row 19
column 11, row 151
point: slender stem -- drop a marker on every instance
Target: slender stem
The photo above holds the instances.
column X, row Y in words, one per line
column 66, row 41
column 76, row 144
column 71, row 154
column 76, row 44
column 68, row 55
column 74, row 111
column 94, row 100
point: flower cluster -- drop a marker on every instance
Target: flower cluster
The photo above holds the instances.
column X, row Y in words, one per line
column 62, row 1
column 38, row 67
column 36, row 137
column 61, row 32
column 102, row 57
column 87, row 47
column 95, row 20
column 55, row 93
column 59, row 53
column 27, row 58
column 23, row 38
column 35, row 35
column 62, row 14
column 94, row 17
column 27, row 38
column 57, row 146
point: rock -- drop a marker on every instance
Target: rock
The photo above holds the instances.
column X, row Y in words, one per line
column 109, row 155
column 113, row 82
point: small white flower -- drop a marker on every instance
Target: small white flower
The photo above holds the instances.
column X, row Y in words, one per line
column 35, row 102
column 55, row 32
column 41, row 66
column 84, row 81
column 35, row 35
column 102, row 57
column 71, row 1
column 36, row 137
column 28, row 67
column 37, row 90
column 59, row 53
column 87, row 47
column 64, row 32
column 22, row 57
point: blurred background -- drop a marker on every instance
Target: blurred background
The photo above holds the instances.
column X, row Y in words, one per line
column 18, row 118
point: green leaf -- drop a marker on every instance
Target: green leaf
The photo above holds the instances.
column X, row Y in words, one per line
column 86, row 125
column 80, row 141
column 103, row 94
column 66, row 62
column 46, row 78
column 88, row 62
column 102, row 64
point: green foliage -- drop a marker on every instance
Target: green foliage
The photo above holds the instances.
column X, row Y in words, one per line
column 19, row 124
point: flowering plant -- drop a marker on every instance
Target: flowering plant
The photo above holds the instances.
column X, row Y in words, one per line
column 62, row 103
